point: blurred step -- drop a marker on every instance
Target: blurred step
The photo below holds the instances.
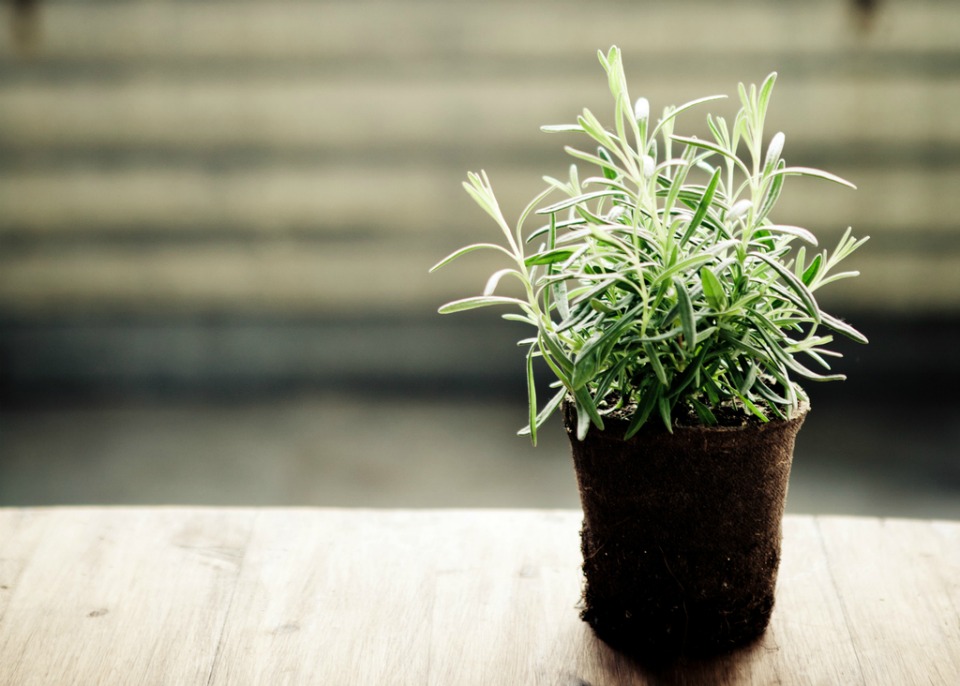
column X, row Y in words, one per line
column 422, row 202
column 416, row 29
column 214, row 157
column 363, row 117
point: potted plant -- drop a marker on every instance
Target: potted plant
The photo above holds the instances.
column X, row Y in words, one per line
column 677, row 317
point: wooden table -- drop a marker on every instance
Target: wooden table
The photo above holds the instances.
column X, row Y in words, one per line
column 335, row 596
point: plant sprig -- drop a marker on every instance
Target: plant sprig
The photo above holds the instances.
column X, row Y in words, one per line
column 661, row 286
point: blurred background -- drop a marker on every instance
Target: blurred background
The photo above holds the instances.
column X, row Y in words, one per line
column 216, row 220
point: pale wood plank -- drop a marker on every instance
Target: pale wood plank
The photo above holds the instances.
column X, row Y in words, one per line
column 891, row 577
column 474, row 597
column 121, row 596
column 21, row 532
column 224, row 30
column 809, row 622
column 949, row 554
column 808, row 641
column 494, row 593
column 461, row 596
column 420, row 625
column 334, row 597
column 520, row 568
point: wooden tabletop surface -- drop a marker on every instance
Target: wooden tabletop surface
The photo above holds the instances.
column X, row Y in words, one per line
column 340, row 596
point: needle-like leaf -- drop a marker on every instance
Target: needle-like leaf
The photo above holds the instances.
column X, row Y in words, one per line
column 660, row 284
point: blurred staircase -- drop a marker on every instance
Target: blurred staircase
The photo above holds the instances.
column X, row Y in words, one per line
column 249, row 194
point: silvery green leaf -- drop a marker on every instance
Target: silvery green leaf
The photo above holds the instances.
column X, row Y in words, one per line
column 702, row 207
column 754, row 410
column 479, row 301
column 592, row 126
column 774, row 150
column 647, row 401
column 588, row 407
column 643, row 293
column 837, row 276
column 687, row 317
column 818, row 173
column 689, row 264
column 713, row 147
column 812, row 271
column 655, row 364
column 577, row 200
column 683, row 108
column 842, row 327
column 739, row 209
column 531, row 397
column 494, row 280
column 663, row 404
column 797, row 231
column 468, row 249
column 765, row 90
column 773, row 193
column 718, row 127
column 562, row 128
column 610, row 171
column 556, row 350
column 745, row 100
column 548, row 257
column 713, row 290
column 545, row 413
column 795, row 284
column 594, row 159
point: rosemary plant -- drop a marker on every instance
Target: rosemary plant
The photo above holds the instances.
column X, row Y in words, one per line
column 660, row 286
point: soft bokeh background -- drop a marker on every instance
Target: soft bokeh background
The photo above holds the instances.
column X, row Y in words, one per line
column 216, row 220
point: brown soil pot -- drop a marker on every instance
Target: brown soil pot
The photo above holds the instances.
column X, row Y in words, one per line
column 681, row 533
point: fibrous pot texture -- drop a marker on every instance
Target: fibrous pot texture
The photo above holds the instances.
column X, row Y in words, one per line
column 681, row 533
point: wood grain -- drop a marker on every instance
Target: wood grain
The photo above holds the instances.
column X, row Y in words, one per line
column 116, row 597
column 320, row 596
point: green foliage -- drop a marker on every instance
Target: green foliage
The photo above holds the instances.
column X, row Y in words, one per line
column 661, row 286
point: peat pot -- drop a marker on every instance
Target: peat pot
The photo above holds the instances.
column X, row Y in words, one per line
column 681, row 532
